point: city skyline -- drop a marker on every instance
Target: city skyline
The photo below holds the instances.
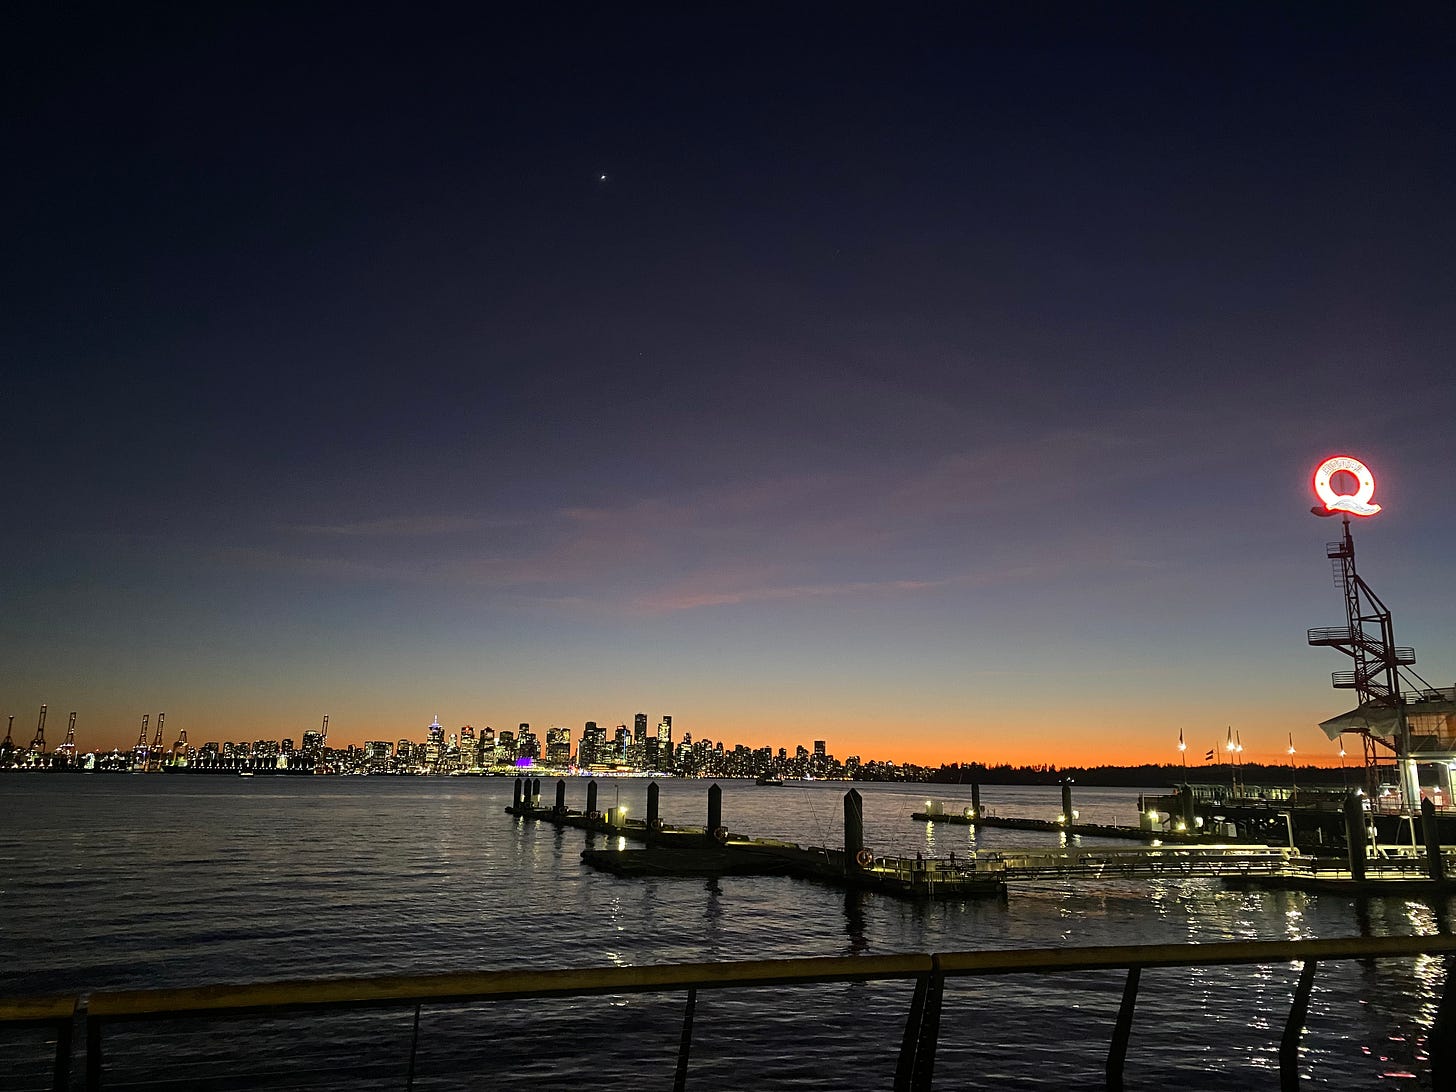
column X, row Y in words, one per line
column 948, row 375
column 297, row 739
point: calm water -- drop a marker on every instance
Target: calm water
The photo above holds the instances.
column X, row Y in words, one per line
column 130, row 881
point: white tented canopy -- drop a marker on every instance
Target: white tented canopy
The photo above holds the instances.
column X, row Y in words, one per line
column 1432, row 714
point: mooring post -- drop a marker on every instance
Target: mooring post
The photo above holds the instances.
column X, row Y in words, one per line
column 591, row 799
column 1355, row 835
column 853, row 830
column 561, row 796
column 1431, row 835
column 654, row 819
column 975, row 800
column 516, row 799
column 715, row 812
column 1067, row 800
column 535, row 792
column 1186, row 806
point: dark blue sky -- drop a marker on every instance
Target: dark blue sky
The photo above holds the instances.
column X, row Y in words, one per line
column 910, row 362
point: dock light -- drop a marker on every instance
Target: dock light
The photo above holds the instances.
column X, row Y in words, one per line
column 1153, row 815
column 1076, row 814
column 1181, row 825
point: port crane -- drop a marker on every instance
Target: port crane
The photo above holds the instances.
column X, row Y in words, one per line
column 66, row 752
column 139, row 752
column 154, row 756
column 38, row 744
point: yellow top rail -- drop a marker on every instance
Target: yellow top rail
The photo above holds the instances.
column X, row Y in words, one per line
column 460, row 988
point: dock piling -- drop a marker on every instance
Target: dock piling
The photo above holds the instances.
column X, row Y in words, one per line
column 591, row 799
column 516, row 799
column 1185, row 806
column 1431, row 835
column 654, row 817
column 975, row 800
column 1355, row 835
column 561, row 796
column 853, row 830
column 715, row 811
column 1067, row 814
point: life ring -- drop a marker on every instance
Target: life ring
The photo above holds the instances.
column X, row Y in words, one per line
column 720, row 835
column 864, row 858
column 656, row 823
column 594, row 816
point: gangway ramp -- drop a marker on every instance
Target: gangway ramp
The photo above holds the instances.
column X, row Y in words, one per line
column 1215, row 861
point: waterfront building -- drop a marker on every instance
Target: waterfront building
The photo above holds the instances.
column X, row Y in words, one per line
column 558, row 747
column 593, row 749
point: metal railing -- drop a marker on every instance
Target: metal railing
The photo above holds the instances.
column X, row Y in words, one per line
column 916, row 1061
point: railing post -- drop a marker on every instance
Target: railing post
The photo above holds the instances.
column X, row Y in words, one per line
column 685, row 1044
column 1442, row 1040
column 915, row 1070
column 93, row 1053
column 929, row 1034
column 409, row 1080
column 61, row 1072
column 1294, row 1028
column 905, row 1067
column 1122, row 1030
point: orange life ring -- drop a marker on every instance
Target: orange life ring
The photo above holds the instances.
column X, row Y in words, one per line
column 864, row 858
column 720, row 835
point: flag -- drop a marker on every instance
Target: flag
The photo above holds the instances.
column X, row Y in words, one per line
column 1208, row 757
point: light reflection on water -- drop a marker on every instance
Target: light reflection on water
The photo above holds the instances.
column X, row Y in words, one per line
column 157, row 881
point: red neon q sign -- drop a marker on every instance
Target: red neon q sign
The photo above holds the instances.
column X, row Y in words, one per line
column 1356, row 503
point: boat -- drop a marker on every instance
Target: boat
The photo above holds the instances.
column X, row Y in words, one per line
column 245, row 773
column 767, row 780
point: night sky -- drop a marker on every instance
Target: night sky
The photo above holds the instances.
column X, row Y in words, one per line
column 944, row 381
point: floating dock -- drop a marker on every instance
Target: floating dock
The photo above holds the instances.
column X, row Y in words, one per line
column 713, row 850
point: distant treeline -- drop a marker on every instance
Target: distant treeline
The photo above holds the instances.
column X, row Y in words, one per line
column 1147, row 775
